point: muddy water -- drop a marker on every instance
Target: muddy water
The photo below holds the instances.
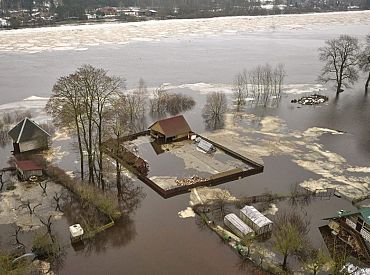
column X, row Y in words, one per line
column 154, row 240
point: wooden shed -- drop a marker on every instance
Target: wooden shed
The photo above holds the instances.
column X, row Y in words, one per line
column 260, row 224
column 27, row 136
column 170, row 129
column 27, row 169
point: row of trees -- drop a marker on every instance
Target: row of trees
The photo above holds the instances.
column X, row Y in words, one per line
column 261, row 83
column 95, row 107
column 344, row 57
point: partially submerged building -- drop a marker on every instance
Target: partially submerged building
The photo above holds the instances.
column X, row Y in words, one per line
column 170, row 129
column 28, row 168
column 260, row 224
column 27, row 135
column 237, row 226
column 353, row 227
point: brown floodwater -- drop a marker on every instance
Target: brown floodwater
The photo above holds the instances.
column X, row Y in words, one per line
column 153, row 239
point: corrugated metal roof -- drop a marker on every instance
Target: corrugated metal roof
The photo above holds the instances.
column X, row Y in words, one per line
column 364, row 212
column 173, row 126
column 205, row 145
column 27, row 165
column 238, row 223
column 255, row 216
column 26, row 130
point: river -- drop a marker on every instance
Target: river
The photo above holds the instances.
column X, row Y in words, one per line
column 197, row 57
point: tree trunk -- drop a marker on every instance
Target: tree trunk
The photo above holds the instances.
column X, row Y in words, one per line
column 285, row 261
column 367, row 83
column 339, row 88
column 118, row 180
column 80, row 148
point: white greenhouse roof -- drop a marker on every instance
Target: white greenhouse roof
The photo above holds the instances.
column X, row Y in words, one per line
column 237, row 223
column 255, row 216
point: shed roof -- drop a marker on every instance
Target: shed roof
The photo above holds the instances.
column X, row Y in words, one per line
column 26, row 130
column 172, row 126
column 255, row 216
column 27, row 165
column 205, row 145
column 364, row 212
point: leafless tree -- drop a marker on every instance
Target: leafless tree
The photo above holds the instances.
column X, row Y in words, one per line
column 240, row 88
column 80, row 101
column 43, row 185
column 48, row 224
column 214, row 110
column 364, row 61
column 28, row 205
column 57, row 197
column 17, row 229
column 158, row 103
column 1, row 181
column 340, row 56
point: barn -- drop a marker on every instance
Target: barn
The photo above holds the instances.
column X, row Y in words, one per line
column 27, row 169
column 238, row 227
column 170, row 129
column 27, row 136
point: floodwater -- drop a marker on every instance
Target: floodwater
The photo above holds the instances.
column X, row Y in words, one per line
column 154, row 240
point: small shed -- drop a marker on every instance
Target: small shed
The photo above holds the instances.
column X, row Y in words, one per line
column 205, row 146
column 27, row 135
column 237, row 226
column 170, row 129
column 256, row 220
column 27, row 169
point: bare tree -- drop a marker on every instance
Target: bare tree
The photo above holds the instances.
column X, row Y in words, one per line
column 43, row 185
column 340, row 57
column 290, row 234
column 159, row 101
column 1, row 181
column 79, row 102
column 57, row 197
column 215, row 109
column 240, row 88
column 28, row 205
column 48, row 224
column 364, row 62
column 314, row 260
column 17, row 229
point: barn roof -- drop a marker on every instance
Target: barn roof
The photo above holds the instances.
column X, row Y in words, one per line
column 172, row 126
column 26, row 130
column 27, row 165
column 364, row 212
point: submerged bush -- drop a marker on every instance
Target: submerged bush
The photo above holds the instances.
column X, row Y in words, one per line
column 46, row 247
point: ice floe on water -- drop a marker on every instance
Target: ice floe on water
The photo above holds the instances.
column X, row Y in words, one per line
column 187, row 213
column 80, row 37
column 276, row 139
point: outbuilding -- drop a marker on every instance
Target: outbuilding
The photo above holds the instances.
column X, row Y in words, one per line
column 27, row 169
column 260, row 224
column 27, row 135
column 237, row 226
column 170, row 129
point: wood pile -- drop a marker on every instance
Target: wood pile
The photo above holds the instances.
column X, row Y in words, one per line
column 189, row 181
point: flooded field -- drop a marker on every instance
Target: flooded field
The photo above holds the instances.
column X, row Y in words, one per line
column 314, row 146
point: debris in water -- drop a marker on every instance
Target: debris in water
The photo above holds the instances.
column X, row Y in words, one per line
column 187, row 213
column 311, row 100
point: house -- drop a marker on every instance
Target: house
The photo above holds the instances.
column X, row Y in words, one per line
column 27, row 169
column 27, row 136
column 260, row 224
column 237, row 226
column 170, row 129
column 353, row 227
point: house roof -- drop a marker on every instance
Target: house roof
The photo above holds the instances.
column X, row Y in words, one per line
column 26, row 130
column 172, row 126
column 364, row 212
column 27, row 165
